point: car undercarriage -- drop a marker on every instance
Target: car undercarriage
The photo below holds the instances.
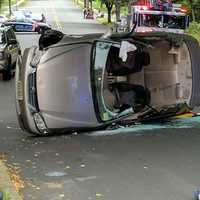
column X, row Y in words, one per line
column 117, row 79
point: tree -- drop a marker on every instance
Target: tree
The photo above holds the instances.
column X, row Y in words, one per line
column 192, row 5
column 117, row 7
column 10, row 9
column 109, row 5
column 1, row 2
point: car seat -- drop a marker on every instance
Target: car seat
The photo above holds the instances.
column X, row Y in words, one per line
column 134, row 63
column 130, row 95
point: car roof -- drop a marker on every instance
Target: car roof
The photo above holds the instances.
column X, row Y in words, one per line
column 138, row 37
column 116, row 36
column 70, row 39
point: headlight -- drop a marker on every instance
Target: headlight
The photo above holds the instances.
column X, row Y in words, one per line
column 1, row 55
column 40, row 124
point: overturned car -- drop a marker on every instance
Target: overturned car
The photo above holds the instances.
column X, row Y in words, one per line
column 91, row 82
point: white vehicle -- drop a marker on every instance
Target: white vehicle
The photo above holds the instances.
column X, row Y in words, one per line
column 155, row 17
column 2, row 19
column 38, row 17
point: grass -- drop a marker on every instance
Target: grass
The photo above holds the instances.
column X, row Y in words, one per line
column 194, row 30
column 6, row 196
column 99, row 6
column 5, row 5
column 23, row 3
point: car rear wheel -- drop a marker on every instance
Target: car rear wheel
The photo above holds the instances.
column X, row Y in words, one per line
column 7, row 74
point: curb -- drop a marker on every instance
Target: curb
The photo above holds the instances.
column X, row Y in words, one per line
column 6, row 184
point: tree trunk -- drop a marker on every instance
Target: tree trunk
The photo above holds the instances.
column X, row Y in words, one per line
column 193, row 14
column 109, row 15
column 117, row 6
column 192, row 10
column 87, row 4
column 91, row 4
column 129, row 16
column 10, row 9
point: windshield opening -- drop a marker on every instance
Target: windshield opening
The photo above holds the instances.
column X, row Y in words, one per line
column 163, row 21
column 149, row 20
column 115, row 95
column 174, row 22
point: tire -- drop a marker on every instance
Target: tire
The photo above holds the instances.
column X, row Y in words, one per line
column 13, row 69
column 7, row 74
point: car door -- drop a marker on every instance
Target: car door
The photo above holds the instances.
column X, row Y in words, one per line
column 23, row 27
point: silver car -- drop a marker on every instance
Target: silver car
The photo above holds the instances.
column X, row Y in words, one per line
column 95, row 81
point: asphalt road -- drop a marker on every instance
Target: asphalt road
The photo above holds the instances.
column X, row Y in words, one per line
column 154, row 162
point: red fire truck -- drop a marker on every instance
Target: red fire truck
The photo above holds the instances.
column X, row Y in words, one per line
column 157, row 15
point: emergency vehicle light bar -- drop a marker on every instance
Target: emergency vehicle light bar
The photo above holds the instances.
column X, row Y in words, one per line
column 157, row 5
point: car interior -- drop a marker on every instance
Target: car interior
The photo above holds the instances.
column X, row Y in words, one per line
column 156, row 76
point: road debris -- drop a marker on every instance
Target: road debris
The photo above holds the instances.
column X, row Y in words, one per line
column 16, row 179
column 98, row 195
column 55, row 174
column 82, row 165
column 61, row 195
column 54, row 185
column 146, row 167
column 74, row 133
column 11, row 127
column 82, row 179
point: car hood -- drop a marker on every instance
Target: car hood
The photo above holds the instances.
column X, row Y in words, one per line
column 64, row 86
